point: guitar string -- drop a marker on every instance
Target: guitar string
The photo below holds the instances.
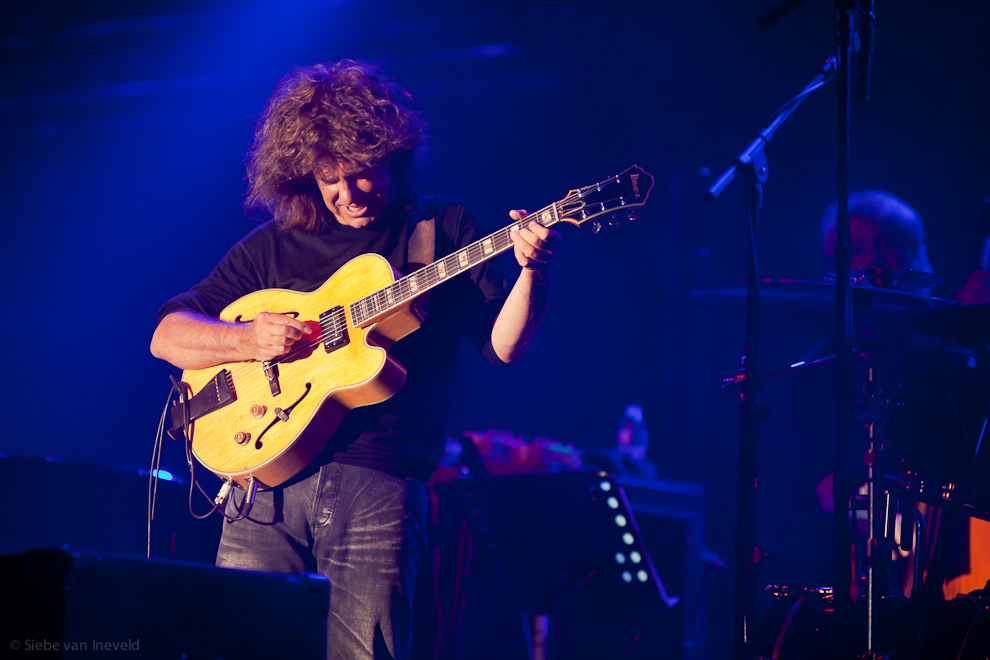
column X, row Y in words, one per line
column 404, row 288
column 432, row 278
column 558, row 211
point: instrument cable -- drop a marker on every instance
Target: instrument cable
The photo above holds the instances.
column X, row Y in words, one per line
column 183, row 391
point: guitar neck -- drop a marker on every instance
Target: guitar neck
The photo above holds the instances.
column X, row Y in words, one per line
column 428, row 277
column 615, row 196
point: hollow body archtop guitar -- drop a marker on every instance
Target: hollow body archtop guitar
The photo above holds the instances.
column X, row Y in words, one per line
column 259, row 423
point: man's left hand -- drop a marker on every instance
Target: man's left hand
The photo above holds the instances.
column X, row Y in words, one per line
column 534, row 243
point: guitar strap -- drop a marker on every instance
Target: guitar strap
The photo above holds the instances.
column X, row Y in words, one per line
column 423, row 239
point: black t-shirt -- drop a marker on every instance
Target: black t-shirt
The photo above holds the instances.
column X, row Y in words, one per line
column 403, row 435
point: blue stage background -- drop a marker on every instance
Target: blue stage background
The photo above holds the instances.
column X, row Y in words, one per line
column 122, row 133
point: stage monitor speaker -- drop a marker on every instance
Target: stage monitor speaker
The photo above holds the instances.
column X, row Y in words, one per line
column 79, row 604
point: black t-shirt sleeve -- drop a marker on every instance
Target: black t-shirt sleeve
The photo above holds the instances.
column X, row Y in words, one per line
column 241, row 271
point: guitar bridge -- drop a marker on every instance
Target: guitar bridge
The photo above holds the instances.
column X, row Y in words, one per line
column 333, row 324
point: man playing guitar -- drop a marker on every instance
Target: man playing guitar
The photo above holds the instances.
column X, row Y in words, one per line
column 334, row 165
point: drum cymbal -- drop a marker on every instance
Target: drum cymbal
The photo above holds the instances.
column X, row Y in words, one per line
column 809, row 306
column 891, row 278
column 966, row 324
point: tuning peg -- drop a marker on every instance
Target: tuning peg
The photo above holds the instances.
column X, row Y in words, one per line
column 634, row 215
column 614, row 220
column 596, row 227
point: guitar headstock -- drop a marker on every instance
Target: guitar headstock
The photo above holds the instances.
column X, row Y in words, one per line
column 615, row 199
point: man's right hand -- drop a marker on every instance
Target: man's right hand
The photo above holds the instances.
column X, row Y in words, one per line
column 193, row 341
column 274, row 334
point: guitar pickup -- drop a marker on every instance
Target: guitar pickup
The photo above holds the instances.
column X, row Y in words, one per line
column 215, row 395
column 333, row 326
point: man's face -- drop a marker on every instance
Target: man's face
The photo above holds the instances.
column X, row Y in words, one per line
column 356, row 198
column 870, row 246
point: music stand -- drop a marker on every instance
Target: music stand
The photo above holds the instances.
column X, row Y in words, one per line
column 544, row 545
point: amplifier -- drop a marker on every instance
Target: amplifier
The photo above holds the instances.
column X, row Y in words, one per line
column 81, row 604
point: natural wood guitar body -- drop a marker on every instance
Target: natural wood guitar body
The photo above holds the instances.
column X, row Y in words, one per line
column 318, row 388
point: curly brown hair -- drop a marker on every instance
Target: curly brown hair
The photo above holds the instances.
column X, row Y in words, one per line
column 345, row 114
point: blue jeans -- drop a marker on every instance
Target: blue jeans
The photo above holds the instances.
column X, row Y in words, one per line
column 363, row 529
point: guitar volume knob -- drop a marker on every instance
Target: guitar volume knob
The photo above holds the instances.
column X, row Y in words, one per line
column 241, row 437
column 258, row 411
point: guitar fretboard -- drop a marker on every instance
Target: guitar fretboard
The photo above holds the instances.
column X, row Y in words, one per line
column 416, row 283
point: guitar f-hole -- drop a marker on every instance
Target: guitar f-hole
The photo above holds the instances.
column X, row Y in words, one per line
column 282, row 415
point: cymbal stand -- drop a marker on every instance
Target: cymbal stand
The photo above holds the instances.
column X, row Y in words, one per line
column 877, row 549
column 752, row 162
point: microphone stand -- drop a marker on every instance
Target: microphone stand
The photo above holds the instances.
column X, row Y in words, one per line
column 752, row 163
column 847, row 44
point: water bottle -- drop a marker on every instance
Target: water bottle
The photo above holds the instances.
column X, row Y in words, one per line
column 633, row 436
